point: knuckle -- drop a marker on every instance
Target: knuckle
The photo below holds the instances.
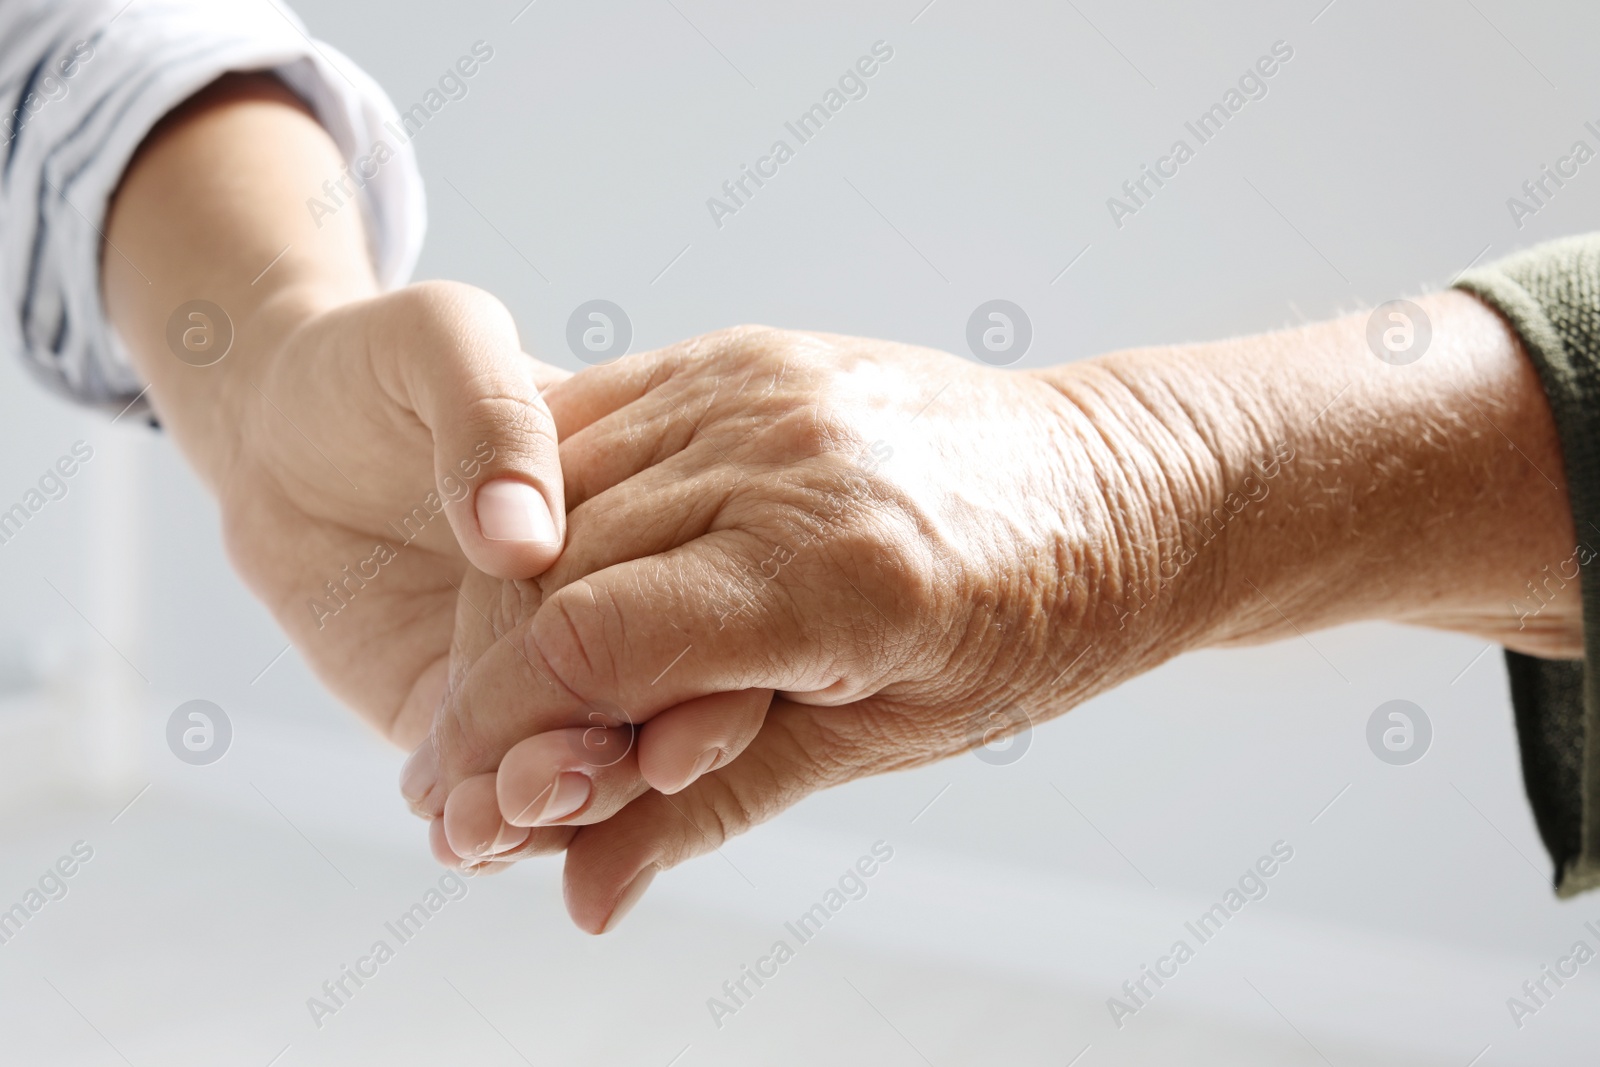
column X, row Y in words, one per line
column 741, row 337
column 750, row 346
column 725, row 812
column 504, row 605
column 505, row 419
column 454, row 308
column 454, row 351
column 575, row 632
column 810, row 429
column 889, row 567
column 509, row 606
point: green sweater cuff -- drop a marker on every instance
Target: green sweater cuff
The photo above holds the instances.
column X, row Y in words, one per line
column 1551, row 296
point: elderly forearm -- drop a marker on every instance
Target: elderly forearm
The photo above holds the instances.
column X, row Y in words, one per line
column 213, row 208
column 1307, row 483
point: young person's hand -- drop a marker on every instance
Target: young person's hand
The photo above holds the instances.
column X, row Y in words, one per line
column 363, row 448
column 381, row 446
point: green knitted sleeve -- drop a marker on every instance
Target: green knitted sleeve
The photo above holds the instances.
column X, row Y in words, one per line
column 1551, row 296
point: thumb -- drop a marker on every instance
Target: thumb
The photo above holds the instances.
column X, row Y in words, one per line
column 456, row 353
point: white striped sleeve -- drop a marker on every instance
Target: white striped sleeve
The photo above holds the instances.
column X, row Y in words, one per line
column 81, row 84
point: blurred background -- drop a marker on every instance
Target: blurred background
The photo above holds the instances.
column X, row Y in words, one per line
column 1026, row 886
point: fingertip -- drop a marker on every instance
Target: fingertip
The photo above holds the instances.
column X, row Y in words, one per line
column 472, row 824
column 597, row 916
column 672, row 782
column 684, row 743
column 440, row 846
column 630, row 897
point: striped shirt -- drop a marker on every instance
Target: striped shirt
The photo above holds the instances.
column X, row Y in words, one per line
column 81, row 84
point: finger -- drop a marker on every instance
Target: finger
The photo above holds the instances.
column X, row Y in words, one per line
column 472, row 825
column 453, row 351
column 514, row 691
column 415, row 717
column 711, row 616
column 573, row 776
column 545, row 375
column 592, row 394
column 494, row 689
column 632, row 640
column 506, row 694
column 486, row 609
column 623, row 418
column 540, row 842
column 485, row 867
column 582, row 776
column 695, row 738
column 800, row 750
column 655, row 511
column 476, row 631
column 621, row 445
column 596, row 392
column 696, row 493
column 440, row 846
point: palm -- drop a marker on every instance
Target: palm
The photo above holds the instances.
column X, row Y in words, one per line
column 380, row 644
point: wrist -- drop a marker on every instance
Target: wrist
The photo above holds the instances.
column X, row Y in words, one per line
column 1349, row 488
column 212, row 209
column 1211, row 461
column 1135, row 583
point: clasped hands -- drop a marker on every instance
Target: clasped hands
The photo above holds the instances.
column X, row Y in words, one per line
column 767, row 562
column 770, row 562
column 631, row 612
column 677, row 593
column 790, row 560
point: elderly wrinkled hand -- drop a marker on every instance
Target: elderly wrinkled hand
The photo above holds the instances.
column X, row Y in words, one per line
column 902, row 544
column 917, row 554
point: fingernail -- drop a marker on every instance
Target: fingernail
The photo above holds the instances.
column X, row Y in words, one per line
column 509, row 510
column 630, row 897
column 571, row 793
column 505, row 838
column 707, row 759
column 440, row 846
column 420, row 773
column 485, row 868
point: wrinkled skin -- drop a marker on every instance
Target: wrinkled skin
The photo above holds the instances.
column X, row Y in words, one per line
column 760, row 511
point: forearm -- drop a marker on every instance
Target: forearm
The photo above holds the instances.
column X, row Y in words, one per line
column 1306, row 483
column 215, row 195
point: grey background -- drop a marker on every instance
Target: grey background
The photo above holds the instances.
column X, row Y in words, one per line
column 1021, row 896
